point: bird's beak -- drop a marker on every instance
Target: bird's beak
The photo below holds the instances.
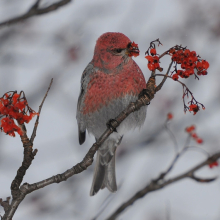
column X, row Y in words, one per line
column 132, row 50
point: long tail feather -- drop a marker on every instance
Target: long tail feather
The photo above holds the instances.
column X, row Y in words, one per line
column 104, row 174
column 99, row 175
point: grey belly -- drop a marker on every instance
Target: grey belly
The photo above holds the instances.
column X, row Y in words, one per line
column 96, row 122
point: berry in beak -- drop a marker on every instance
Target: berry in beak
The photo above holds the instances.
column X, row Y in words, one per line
column 133, row 50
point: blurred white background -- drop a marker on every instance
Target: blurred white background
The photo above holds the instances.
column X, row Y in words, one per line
column 59, row 45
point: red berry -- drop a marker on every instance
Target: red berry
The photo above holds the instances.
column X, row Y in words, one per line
column 149, row 58
column 191, row 71
column 213, row 164
column 183, row 65
column 193, row 53
column 180, row 72
column 153, row 52
column 186, row 53
column 169, row 116
column 156, row 59
column 204, row 72
column 199, row 66
column 199, row 141
column 205, row 64
column 175, row 77
column 191, row 128
column 194, row 135
column 151, row 67
column 186, row 74
column 194, row 108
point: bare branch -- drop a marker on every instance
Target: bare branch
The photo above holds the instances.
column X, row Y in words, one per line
column 39, row 111
column 35, row 10
column 29, row 155
column 159, row 183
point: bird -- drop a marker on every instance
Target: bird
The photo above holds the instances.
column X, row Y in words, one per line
column 109, row 83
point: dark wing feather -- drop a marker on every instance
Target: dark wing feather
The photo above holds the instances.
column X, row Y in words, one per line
column 80, row 118
column 82, row 137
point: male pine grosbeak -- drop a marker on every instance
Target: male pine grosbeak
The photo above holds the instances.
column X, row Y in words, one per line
column 109, row 83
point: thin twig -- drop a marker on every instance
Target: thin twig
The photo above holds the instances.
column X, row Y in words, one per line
column 39, row 111
column 35, row 5
column 165, row 77
column 163, row 54
column 172, row 136
column 172, row 78
column 105, row 203
column 35, row 10
column 178, row 154
column 158, row 184
column 199, row 149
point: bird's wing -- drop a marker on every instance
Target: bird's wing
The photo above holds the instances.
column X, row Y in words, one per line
column 79, row 116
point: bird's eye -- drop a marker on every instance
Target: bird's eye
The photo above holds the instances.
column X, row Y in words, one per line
column 118, row 50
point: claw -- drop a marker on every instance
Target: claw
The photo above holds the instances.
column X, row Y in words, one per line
column 110, row 124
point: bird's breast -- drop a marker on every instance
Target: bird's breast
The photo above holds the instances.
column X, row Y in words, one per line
column 104, row 88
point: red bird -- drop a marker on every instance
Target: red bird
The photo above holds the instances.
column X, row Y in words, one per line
column 109, row 83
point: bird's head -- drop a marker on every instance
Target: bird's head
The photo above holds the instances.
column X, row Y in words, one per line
column 112, row 49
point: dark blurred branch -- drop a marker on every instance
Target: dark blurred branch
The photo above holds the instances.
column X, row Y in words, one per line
column 35, row 10
column 159, row 183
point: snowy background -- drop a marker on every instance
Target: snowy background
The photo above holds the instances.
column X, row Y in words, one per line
column 59, row 45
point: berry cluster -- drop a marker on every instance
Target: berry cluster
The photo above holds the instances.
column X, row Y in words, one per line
column 188, row 61
column 195, row 108
column 13, row 106
column 191, row 131
column 153, row 60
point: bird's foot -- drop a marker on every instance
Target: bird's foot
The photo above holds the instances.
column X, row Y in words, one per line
column 111, row 124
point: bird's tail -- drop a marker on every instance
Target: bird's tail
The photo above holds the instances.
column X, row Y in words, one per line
column 104, row 174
